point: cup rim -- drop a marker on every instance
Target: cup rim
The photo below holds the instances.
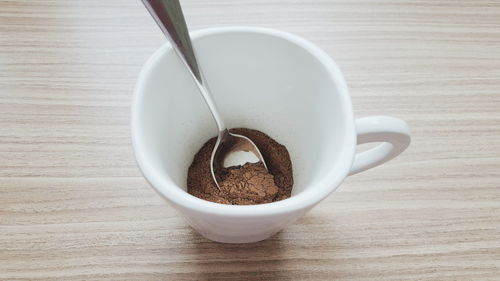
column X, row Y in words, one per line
column 180, row 198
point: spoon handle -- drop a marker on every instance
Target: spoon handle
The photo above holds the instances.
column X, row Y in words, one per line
column 169, row 17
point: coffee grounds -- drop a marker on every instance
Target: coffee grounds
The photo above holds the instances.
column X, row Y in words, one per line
column 248, row 184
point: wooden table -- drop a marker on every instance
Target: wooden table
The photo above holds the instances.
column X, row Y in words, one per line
column 74, row 206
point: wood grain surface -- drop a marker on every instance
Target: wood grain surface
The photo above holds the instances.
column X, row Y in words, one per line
column 73, row 205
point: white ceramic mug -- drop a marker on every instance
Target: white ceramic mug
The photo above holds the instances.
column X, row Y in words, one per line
column 262, row 79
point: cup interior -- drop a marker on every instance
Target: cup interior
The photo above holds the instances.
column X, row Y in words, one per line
column 259, row 80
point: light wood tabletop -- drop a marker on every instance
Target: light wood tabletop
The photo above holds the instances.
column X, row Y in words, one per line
column 74, row 206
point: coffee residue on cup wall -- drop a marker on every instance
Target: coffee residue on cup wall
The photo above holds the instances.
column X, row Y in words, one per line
column 248, row 184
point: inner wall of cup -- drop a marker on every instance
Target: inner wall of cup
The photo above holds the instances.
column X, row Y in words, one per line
column 258, row 81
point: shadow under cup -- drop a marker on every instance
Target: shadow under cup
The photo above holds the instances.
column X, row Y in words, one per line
column 260, row 79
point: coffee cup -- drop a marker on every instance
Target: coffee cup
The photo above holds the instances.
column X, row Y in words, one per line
column 261, row 79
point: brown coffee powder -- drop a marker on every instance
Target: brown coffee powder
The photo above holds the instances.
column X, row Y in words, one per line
column 247, row 184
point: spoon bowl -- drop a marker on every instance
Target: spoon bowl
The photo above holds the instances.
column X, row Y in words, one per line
column 227, row 146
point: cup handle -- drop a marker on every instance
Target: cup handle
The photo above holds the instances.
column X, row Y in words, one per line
column 392, row 132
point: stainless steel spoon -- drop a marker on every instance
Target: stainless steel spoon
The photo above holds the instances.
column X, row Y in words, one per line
column 169, row 17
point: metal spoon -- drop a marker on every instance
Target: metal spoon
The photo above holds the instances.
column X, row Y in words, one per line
column 169, row 17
